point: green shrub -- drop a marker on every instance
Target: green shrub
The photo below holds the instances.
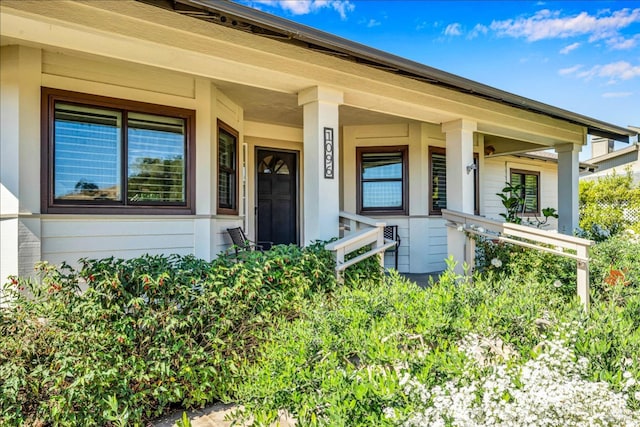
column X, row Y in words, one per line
column 616, row 259
column 603, row 204
column 338, row 363
column 380, row 354
column 516, row 261
column 276, row 333
column 148, row 334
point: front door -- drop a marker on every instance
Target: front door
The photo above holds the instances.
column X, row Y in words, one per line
column 277, row 196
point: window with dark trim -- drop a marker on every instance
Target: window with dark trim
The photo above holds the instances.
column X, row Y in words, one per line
column 107, row 155
column 438, row 181
column 227, row 170
column 529, row 182
column 382, row 180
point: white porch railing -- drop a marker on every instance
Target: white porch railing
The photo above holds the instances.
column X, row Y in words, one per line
column 356, row 232
column 509, row 233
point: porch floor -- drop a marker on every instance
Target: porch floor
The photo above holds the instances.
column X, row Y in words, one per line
column 421, row 279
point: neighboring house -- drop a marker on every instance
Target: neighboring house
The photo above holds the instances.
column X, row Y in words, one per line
column 133, row 127
column 607, row 160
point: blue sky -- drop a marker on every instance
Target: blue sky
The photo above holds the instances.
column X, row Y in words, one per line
column 583, row 56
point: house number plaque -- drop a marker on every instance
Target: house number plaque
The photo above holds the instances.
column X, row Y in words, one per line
column 328, row 153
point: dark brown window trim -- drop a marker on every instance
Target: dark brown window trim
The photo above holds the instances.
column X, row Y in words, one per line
column 528, row 172
column 404, row 210
column 476, row 181
column 50, row 206
column 433, row 150
column 235, row 134
column 476, row 184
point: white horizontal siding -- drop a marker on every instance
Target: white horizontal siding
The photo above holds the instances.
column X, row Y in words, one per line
column 220, row 236
column 405, row 243
column 437, row 244
column 52, row 228
column 28, row 246
column 71, row 239
column 118, row 73
column 496, row 173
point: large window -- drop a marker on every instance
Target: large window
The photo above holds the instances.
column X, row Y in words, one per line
column 105, row 155
column 529, row 183
column 227, row 170
column 438, row 181
column 382, row 180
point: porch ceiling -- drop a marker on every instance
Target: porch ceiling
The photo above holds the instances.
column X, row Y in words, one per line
column 266, row 106
column 499, row 146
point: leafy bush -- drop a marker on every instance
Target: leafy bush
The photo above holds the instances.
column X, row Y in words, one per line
column 614, row 260
column 497, row 350
column 148, row 334
column 608, row 206
column 338, row 364
column 276, row 333
column 517, row 261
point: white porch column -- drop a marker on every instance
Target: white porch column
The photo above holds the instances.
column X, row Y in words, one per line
column 20, row 82
column 460, row 183
column 321, row 194
column 568, row 178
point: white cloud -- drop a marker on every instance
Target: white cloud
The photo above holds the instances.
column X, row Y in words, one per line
column 477, row 30
column 570, row 70
column 424, row 24
column 547, row 24
column 304, row 7
column 573, row 46
column 616, row 94
column 453, row 30
column 621, row 70
column 621, row 43
column 373, row 23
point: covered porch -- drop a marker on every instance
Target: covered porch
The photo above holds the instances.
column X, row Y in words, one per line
column 291, row 126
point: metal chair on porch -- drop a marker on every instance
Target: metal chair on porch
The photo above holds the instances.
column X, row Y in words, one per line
column 242, row 244
column 391, row 233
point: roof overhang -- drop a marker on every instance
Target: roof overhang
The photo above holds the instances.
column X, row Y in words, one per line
column 616, row 153
column 263, row 24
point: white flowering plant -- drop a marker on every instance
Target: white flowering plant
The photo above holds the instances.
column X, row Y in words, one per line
column 495, row 350
column 547, row 390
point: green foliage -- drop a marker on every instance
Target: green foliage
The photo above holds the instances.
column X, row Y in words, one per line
column 614, row 260
column 276, row 333
column 513, row 200
column 608, row 206
column 493, row 256
column 337, row 365
column 184, row 421
column 344, row 361
column 155, row 179
column 147, row 334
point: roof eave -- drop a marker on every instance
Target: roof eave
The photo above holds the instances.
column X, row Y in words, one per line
column 411, row 69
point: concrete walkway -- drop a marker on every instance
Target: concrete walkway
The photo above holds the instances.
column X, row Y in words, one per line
column 213, row 416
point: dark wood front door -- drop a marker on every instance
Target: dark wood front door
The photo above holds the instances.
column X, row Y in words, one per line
column 277, row 196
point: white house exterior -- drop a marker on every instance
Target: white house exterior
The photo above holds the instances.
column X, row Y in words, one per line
column 608, row 161
column 239, row 118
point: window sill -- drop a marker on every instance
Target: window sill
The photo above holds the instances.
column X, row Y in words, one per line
column 383, row 213
column 118, row 210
